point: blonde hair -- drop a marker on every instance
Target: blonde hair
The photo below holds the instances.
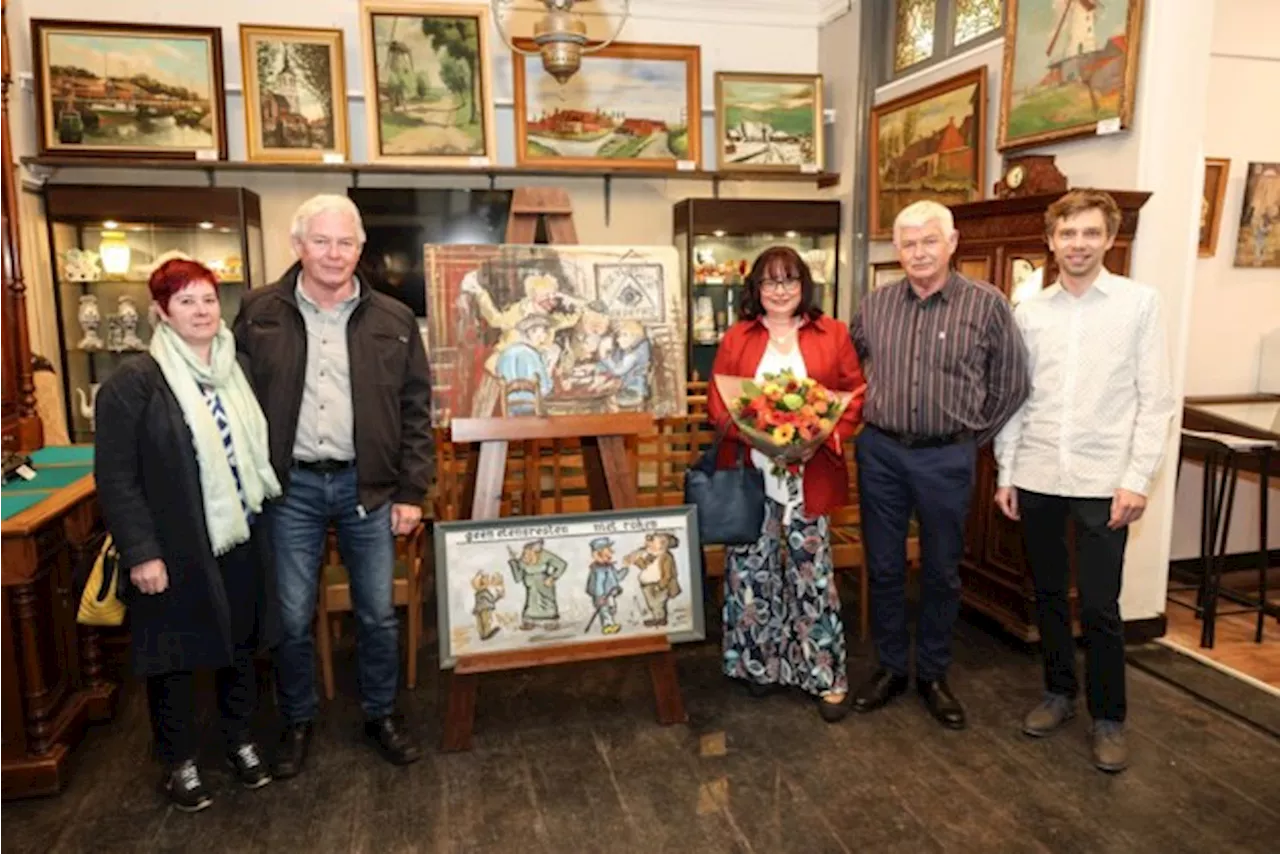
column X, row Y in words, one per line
column 322, row 204
column 921, row 213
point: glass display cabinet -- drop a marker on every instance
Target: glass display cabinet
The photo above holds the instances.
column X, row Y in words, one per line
column 719, row 239
column 105, row 241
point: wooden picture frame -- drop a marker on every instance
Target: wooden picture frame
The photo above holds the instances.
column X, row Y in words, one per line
column 419, row 107
column 1216, row 172
column 1019, row 268
column 482, row 566
column 572, row 114
column 954, row 149
column 299, row 113
column 1057, row 81
column 88, row 107
column 881, row 273
column 774, row 119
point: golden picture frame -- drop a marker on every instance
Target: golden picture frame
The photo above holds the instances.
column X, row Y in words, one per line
column 295, row 94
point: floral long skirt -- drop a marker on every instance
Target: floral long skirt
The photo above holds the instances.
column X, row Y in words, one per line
column 782, row 612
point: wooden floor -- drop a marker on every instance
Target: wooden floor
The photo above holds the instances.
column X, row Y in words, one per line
column 1233, row 645
column 569, row 760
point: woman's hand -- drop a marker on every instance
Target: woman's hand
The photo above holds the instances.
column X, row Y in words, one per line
column 150, row 577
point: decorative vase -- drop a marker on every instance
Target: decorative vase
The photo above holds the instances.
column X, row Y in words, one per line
column 127, row 312
column 90, row 319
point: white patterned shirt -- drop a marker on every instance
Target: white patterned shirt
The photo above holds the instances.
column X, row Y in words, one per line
column 1101, row 401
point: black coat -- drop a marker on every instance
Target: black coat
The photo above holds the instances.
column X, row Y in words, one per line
column 149, row 487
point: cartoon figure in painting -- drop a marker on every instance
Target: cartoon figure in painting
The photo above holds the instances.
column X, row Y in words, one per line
column 629, row 363
column 1261, row 231
column 589, row 341
column 540, row 297
column 524, row 360
column 658, row 580
column 604, row 584
column 489, row 588
column 538, row 570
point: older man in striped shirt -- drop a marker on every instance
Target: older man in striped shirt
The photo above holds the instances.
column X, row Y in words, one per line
column 945, row 369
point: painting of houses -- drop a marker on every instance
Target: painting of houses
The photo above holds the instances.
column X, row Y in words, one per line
column 427, row 71
column 1068, row 65
column 1258, row 242
column 129, row 89
column 295, row 93
column 628, row 107
column 928, row 145
column 554, row 330
column 769, row 122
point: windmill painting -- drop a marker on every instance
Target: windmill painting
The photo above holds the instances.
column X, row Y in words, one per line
column 1069, row 66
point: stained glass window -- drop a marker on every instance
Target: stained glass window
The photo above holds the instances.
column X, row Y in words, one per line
column 975, row 18
column 913, row 35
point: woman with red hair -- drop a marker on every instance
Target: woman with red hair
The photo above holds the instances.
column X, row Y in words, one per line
column 183, row 472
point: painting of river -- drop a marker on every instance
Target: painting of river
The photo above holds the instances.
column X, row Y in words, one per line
column 628, row 107
column 117, row 89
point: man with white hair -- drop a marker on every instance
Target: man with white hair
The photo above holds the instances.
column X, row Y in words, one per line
column 945, row 369
column 342, row 377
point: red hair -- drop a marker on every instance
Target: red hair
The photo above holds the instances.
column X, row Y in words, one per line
column 174, row 275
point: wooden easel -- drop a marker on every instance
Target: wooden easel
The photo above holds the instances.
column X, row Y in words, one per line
column 611, row 485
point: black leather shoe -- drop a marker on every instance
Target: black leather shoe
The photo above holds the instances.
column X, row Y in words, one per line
column 291, row 752
column 877, row 691
column 941, row 703
column 392, row 741
column 250, row 770
column 833, row 713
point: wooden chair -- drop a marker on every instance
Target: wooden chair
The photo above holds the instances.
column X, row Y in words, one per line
column 407, row 587
column 530, row 387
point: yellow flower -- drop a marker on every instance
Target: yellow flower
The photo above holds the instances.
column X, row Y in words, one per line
column 824, row 424
column 784, row 433
column 773, row 391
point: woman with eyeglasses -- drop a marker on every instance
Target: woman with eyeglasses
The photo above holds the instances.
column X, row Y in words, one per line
column 782, row 624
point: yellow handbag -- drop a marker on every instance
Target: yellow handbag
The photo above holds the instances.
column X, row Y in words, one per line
column 99, row 603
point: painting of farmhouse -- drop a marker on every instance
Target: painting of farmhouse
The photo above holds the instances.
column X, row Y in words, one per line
column 628, row 107
column 128, row 89
column 427, row 71
column 1068, row 65
column 554, row 330
column 928, row 145
column 1258, row 243
column 769, row 121
column 294, row 92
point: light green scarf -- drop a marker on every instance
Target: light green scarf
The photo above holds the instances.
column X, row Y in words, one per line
column 183, row 370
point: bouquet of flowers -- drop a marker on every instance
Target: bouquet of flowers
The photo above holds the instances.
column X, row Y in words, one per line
column 783, row 416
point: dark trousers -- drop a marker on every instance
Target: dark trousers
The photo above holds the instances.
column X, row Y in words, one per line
column 1099, row 563
column 935, row 483
column 172, row 696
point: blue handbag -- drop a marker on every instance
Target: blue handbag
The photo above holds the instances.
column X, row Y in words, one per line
column 730, row 502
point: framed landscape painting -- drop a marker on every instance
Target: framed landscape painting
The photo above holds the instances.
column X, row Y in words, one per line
column 929, row 144
column 129, row 90
column 630, row 106
column 530, row 582
column 295, row 93
column 428, row 88
column 1216, row 171
column 1258, row 242
column 770, row 122
column 1070, row 69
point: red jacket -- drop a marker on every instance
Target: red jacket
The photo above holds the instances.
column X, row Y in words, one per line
column 829, row 359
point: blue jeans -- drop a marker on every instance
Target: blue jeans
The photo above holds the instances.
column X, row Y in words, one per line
column 299, row 522
column 936, row 484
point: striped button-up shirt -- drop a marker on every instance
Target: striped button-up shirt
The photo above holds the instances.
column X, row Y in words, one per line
column 936, row 367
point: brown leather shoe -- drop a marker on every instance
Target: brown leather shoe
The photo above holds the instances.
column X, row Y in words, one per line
column 1110, row 752
column 1049, row 716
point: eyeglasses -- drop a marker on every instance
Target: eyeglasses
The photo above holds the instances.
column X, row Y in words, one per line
column 779, row 285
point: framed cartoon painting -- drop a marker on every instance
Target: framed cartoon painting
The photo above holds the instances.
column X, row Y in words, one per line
column 295, row 94
column 129, row 90
column 529, row 582
column 630, row 106
column 428, row 88
column 1258, row 241
column 769, row 122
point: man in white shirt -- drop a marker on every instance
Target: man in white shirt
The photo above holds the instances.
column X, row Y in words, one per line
column 1085, row 446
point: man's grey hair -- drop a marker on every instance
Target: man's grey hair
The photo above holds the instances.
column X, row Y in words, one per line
column 322, row 204
column 921, row 213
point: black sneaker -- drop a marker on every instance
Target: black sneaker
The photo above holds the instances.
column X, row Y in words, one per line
column 245, row 760
column 185, row 789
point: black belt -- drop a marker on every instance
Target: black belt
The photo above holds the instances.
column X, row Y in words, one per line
column 323, row 466
column 908, row 440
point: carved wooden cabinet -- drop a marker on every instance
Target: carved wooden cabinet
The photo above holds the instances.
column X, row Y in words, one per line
column 1002, row 242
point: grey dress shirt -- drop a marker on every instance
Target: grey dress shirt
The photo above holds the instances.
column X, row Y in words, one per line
column 326, row 423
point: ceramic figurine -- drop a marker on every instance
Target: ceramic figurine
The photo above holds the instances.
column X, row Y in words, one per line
column 115, row 334
column 80, row 265
column 704, row 320
column 90, row 320
column 88, row 404
column 127, row 312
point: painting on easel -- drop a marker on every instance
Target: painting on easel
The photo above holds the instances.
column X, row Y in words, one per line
column 554, row 330
column 508, row 584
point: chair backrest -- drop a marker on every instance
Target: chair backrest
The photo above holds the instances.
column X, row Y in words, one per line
column 531, row 388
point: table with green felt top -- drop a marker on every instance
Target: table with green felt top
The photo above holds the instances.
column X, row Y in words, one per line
column 55, row 468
